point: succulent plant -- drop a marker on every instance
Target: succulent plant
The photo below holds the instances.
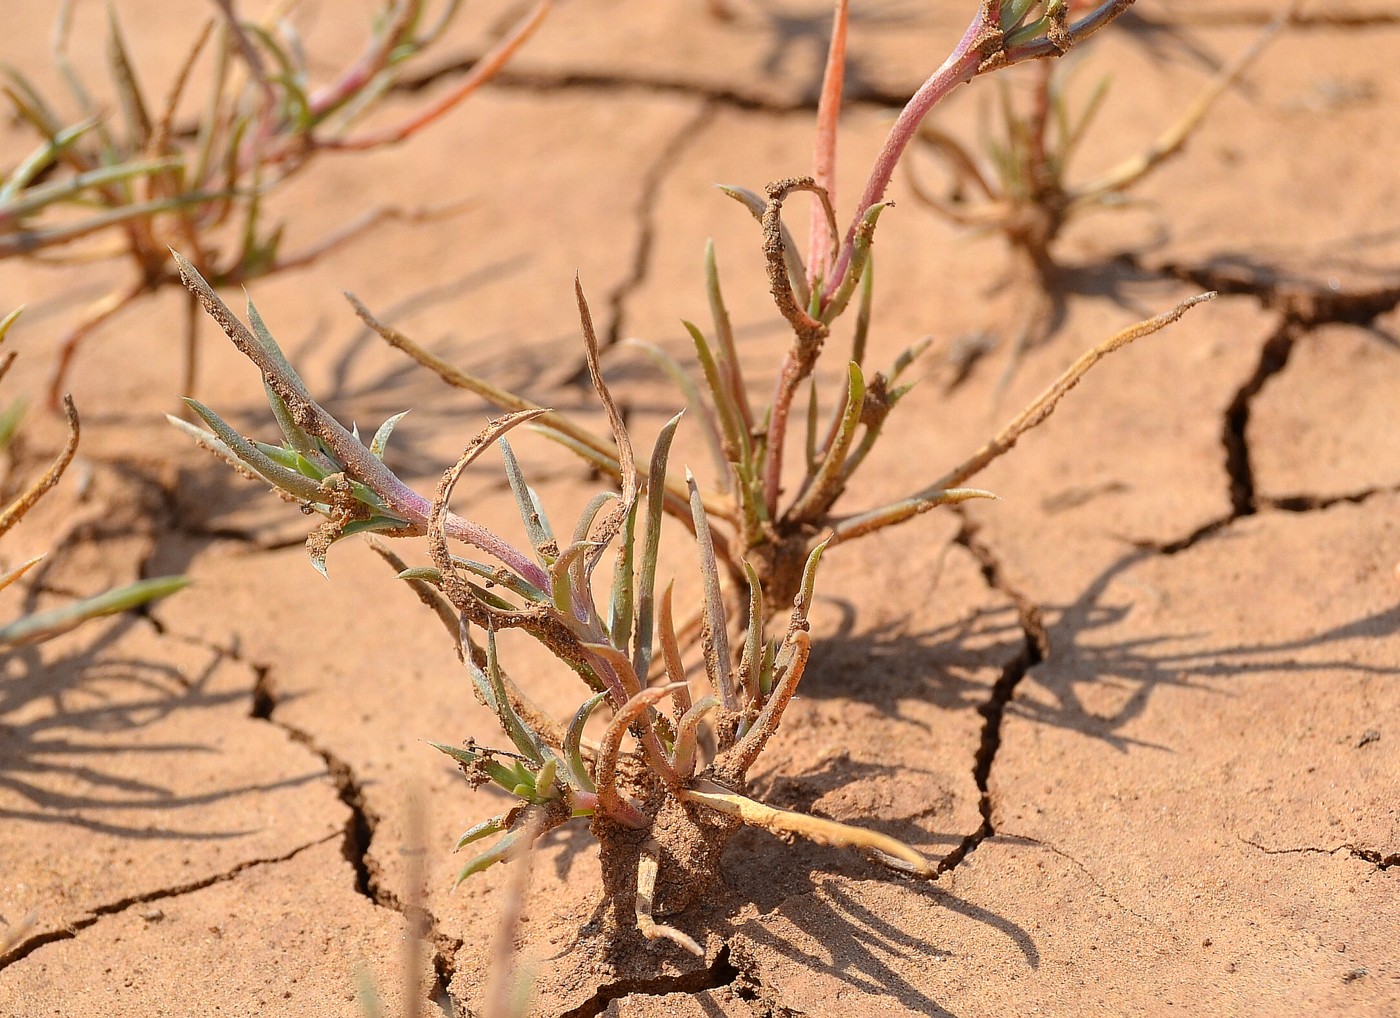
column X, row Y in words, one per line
column 145, row 183
column 663, row 812
column 756, row 524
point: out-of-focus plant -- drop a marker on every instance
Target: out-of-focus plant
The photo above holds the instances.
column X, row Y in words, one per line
column 39, row 626
column 663, row 814
column 141, row 182
column 759, row 526
column 1020, row 186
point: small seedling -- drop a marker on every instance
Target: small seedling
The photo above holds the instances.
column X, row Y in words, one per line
column 37, row 627
column 1020, row 186
column 663, row 814
column 144, row 182
column 759, row 525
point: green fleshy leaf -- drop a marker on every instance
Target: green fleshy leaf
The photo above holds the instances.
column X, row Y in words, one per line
column 573, row 739
column 381, row 437
column 45, row 625
column 537, row 527
column 651, row 544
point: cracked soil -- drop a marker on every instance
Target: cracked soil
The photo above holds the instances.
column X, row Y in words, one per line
column 1145, row 708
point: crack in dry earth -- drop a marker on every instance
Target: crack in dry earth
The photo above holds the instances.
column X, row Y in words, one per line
column 1314, row 503
column 1302, row 307
column 1098, row 885
column 28, row 946
column 1380, row 860
column 1035, row 649
column 649, row 195
column 610, row 84
column 358, row 835
column 722, row 972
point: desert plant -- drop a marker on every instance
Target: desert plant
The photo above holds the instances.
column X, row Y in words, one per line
column 755, row 526
column 663, row 815
column 39, row 626
column 146, row 183
column 663, row 812
column 1019, row 186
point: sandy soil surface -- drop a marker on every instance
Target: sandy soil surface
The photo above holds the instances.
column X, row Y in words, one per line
column 1146, row 708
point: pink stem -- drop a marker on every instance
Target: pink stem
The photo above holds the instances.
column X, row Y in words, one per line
column 819, row 251
column 960, row 67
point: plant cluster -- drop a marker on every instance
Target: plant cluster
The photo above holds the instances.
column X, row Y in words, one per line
column 37, row 627
column 145, row 183
column 548, row 592
column 666, row 785
column 757, row 522
column 1019, row 185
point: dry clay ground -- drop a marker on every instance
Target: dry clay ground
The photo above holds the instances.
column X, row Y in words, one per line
column 1146, row 707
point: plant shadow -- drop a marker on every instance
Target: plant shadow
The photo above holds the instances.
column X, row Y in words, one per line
column 855, row 943
column 70, row 720
column 940, row 665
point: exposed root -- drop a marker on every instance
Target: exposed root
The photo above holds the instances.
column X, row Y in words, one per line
column 647, row 865
column 889, row 851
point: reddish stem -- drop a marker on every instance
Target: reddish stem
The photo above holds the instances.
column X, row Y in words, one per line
column 960, row 67
column 819, row 253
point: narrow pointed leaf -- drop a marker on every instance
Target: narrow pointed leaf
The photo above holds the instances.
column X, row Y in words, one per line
column 381, row 437
column 715, row 638
column 651, row 544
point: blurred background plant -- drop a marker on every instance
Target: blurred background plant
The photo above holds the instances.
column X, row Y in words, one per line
column 766, row 521
column 19, row 498
column 663, row 814
column 141, row 181
column 1014, row 180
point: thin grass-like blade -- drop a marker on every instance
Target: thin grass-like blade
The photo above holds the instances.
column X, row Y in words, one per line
column 128, row 88
column 825, row 486
column 715, row 635
column 1044, row 405
column 41, row 159
column 751, row 663
column 735, row 434
column 709, row 426
column 19, row 570
column 822, row 242
column 627, row 466
column 274, row 352
column 818, row 829
column 860, row 254
column 536, row 529
column 897, row 512
column 622, row 604
column 290, row 481
column 686, row 736
column 651, row 544
column 573, row 742
column 27, row 499
column 525, row 740
column 482, row 830
column 45, row 625
column 724, row 336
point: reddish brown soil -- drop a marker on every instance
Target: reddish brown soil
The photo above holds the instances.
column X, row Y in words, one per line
column 1146, row 706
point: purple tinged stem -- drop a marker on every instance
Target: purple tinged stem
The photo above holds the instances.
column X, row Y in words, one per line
column 960, row 67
